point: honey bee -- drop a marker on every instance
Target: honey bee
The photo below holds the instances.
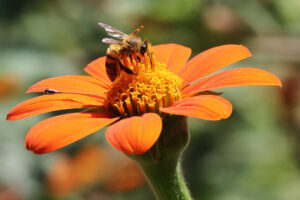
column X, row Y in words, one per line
column 128, row 46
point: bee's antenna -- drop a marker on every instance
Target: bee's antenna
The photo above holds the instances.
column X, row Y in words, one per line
column 138, row 30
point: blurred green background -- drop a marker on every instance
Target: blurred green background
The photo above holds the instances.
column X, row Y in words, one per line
column 253, row 155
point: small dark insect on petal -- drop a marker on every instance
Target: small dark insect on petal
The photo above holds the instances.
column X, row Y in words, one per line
column 50, row 91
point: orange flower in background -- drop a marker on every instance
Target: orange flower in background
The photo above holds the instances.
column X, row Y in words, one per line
column 92, row 165
column 9, row 193
column 10, row 85
column 134, row 105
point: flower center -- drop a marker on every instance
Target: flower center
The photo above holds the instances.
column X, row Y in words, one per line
column 144, row 91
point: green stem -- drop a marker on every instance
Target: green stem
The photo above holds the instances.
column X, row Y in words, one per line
column 161, row 164
column 166, row 181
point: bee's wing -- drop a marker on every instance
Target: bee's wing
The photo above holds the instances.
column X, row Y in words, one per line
column 111, row 41
column 113, row 31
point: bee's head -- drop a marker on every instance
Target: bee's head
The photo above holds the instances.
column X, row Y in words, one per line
column 132, row 43
column 144, row 47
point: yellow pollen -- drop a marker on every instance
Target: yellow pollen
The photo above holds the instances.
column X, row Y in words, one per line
column 148, row 89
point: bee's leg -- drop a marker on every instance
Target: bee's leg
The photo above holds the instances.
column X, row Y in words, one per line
column 135, row 61
column 138, row 60
column 130, row 57
column 152, row 59
column 125, row 69
column 127, row 63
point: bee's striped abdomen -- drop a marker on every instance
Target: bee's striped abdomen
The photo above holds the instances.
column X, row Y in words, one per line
column 111, row 67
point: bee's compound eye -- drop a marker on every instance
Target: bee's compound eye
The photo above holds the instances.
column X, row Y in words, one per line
column 143, row 48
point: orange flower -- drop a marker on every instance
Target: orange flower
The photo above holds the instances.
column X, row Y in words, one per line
column 134, row 105
column 9, row 85
column 101, row 167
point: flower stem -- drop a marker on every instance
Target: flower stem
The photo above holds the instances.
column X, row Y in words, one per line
column 166, row 181
column 161, row 164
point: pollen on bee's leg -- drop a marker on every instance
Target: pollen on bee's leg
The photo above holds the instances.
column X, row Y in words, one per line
column 134, row 64
column 131, row 66
column 127, row 63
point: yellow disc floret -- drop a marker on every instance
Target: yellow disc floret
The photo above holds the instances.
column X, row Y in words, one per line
column 145, row 91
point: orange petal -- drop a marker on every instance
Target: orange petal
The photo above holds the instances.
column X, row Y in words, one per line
column 59, row 131
column 97, row 69
column 233, row 77
column 208, row 107
column 135, row 135
column 52, row 102
column 173, row 55
column 71, row 84
column 212, row 60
